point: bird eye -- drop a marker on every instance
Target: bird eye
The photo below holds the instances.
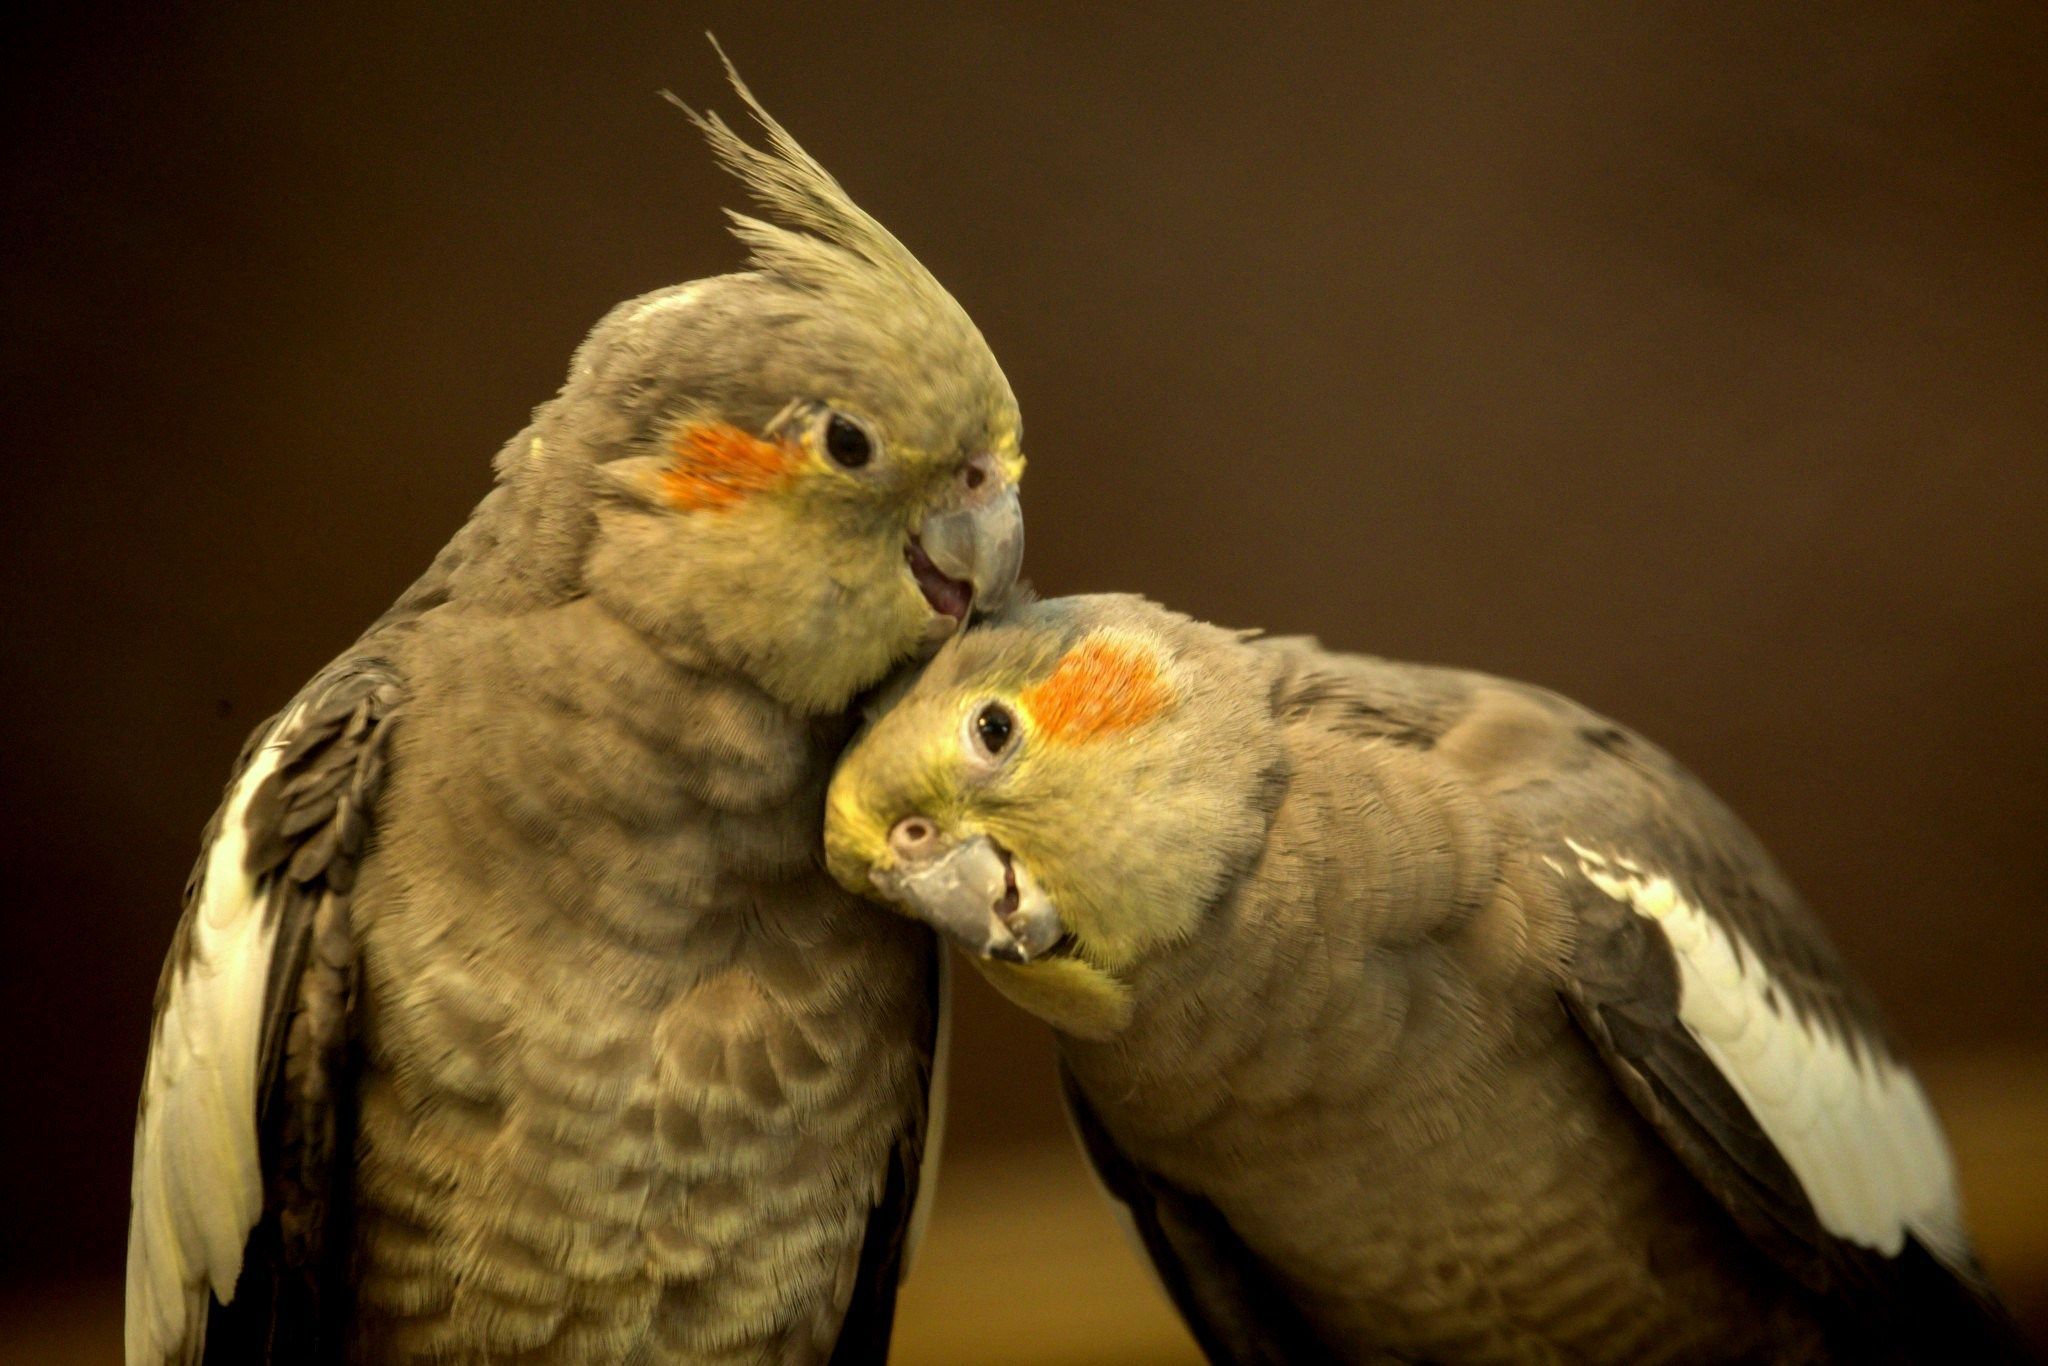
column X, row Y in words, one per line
column 993, row 727
column 847, row 442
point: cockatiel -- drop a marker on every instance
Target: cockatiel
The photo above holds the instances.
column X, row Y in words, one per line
column 1415, row 1015
column 512, row 1015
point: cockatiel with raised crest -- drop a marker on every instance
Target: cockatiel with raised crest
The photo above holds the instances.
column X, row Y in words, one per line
column 511, row 1016
column 1415, row 1015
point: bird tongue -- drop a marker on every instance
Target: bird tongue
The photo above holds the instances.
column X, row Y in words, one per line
column 949, row 597
column 1035, row 926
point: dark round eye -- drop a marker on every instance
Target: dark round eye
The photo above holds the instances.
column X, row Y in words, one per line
column 847, row 442
column 993, row 727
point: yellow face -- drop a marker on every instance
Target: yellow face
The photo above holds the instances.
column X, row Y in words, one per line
column 806, row 469
column 821, row 551
column 1029, row 797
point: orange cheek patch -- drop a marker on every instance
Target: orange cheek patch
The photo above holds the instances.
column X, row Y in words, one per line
column 718, row 465
column 1100, row 687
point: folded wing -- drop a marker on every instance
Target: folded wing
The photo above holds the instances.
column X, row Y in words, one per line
column 241, row 1134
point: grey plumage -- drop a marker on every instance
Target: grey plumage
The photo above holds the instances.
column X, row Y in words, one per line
column 1420, row 1015
column 511, row 1014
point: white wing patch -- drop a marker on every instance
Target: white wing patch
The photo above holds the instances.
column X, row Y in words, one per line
column 1855, row 1127
column 198, row 1187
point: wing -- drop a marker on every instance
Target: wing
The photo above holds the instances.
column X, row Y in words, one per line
column 242, row 1131
column 898, row 1222
column 1237, row 1312
column 1729, row 1021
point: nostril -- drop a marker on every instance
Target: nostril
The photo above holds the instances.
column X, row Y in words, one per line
column 974, row 476
column 912, row 834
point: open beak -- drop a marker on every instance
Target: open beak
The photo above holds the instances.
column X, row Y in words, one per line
column 968, row 551
column 970, row 890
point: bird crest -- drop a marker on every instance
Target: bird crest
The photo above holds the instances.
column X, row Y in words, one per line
column 814, row 236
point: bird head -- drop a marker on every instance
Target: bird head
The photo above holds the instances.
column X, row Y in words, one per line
column 1065, row 791
column 806, row 470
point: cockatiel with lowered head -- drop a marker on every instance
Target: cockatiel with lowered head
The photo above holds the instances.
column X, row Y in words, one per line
column 1415, row 1015
column 511, row 1015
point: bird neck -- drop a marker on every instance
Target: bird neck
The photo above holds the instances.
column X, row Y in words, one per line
column 656, row 795
column 1350, row 937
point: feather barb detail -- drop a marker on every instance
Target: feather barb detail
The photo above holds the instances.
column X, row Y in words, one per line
column 718, row 466
column 1101, row 687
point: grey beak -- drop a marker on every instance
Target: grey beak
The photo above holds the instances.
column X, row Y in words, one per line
column 970, row 891
column 979, row 541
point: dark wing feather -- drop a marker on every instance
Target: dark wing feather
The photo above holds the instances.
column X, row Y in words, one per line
column 303, row 827
column 1239, row 1314
column 1619, row 811
column 1624, row 993
column 871, row 1312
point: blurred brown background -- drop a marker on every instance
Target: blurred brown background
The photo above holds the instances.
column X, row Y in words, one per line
column 1692, row 360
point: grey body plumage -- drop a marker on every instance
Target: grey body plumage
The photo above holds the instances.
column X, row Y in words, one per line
column 512, row 1015
column 588, row 1101
column 1419, row 1015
